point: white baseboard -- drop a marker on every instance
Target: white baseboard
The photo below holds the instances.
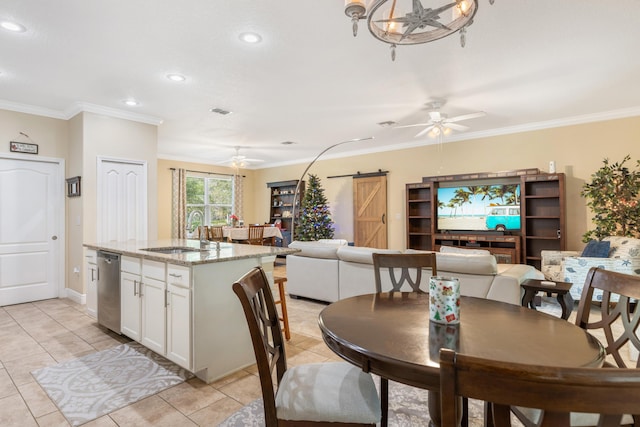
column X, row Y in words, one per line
column 75, row 296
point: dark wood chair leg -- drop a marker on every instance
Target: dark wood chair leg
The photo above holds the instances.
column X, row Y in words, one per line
column 384, row 401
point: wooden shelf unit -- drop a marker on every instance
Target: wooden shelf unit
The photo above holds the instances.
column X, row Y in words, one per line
column 542, row 217
column 506, row 249
column 419, row 216
column 281, row 206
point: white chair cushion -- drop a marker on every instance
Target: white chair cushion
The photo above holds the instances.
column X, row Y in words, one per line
column 332, row 392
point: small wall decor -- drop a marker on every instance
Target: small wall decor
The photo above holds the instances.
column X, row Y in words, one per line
column 23, row 147
column 73, row 187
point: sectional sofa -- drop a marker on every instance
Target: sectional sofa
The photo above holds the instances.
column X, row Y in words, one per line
column 331, row 270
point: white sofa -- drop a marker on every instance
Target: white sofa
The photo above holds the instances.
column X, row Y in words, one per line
column 329, row 271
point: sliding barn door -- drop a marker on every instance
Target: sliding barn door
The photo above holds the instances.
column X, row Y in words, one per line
column 370, row 211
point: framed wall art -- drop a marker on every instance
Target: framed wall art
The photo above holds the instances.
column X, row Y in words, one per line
column 73, row 186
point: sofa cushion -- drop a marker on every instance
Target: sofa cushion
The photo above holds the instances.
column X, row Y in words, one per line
column 456, row 250
column 623, row 247
column 597, row 249
column 470, row 264
column 361, row 255
column 315, row 249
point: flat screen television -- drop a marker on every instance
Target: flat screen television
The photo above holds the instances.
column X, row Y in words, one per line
column 494, row 207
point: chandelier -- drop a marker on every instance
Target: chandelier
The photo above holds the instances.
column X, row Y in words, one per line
column 400, row 22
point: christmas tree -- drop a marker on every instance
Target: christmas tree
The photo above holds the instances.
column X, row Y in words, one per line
column 315, row 218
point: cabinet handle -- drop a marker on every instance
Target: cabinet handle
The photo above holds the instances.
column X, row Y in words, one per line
column 166, row 298
column 140, row 288
column 92, row 271
column 135, row 283
column 177, row 276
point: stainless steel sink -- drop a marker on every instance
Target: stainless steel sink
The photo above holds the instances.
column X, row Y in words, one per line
column 172, row 249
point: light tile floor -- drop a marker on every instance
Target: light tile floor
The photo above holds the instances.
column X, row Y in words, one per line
column 45, row 333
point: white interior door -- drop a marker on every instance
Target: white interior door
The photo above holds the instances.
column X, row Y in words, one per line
column 122, row 200
column 31, row 240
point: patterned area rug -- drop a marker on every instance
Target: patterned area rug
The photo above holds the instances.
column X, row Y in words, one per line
column 407, row 408
column 99, row 383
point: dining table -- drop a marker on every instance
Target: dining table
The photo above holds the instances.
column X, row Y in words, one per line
column 389, row 334
column 238, row 234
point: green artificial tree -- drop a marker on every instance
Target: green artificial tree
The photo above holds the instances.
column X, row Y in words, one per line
column 315, row 218
column 612, row 195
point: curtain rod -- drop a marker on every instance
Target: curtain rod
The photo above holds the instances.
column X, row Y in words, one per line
column 209, row 173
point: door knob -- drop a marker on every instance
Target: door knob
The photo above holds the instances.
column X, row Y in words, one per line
column 54, row 237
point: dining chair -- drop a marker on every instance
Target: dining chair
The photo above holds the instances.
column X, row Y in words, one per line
column 215, row 233
column 616, row 326
column 558, row 391
column 314, row 394
column 256, row 235
column 410, row 266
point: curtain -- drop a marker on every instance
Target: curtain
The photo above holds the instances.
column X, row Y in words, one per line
column 179, row 204
column 238, row 207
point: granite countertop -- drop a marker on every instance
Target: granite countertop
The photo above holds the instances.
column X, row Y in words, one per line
column 227, row 252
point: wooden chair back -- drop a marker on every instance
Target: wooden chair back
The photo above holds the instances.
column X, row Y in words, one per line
column 410, row 266
column 256, row 234
column 556, row 390
column 621, row 315
column 259, row 308
column 216, row 234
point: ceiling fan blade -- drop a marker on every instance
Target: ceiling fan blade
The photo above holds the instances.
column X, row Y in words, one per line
column 456, row 126
column 466, row 117
column 413, row 125
column 253, row 160
column 423, row 131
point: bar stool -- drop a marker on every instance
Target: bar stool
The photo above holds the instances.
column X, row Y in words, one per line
column 279, row 280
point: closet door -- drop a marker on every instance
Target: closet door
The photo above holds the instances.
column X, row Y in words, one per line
column 122, row 200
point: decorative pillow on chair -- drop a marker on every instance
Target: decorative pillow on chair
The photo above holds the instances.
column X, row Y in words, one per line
column 596, row 249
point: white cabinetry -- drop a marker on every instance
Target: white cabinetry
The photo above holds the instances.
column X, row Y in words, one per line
column 130, row 278
column 91, row 277
column 153, row 301
column 179, row 315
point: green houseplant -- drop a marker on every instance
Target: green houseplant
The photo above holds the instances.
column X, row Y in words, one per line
column 612, row 196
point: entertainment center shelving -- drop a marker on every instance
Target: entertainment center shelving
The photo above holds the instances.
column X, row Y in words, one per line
column 542, row 216
column 281, row 206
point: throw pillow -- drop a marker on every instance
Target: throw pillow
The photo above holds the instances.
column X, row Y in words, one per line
column 596, row 249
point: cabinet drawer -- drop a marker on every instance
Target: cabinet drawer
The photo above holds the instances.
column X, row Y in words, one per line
column 178, row 275
column 130, row 265
column 154, row 269
column 90, row 256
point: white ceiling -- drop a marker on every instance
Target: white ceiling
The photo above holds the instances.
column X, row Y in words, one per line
column 527, row 63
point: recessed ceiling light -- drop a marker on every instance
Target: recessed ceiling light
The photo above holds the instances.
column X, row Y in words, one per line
column 176, row 77
column 287, row 142
column 13, row 26
column 250, row 38
column 131, row 102
column 387, row 124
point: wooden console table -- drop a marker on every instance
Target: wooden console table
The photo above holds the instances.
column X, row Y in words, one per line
column 506, row 249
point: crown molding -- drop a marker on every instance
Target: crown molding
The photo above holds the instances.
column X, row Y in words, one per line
column 79, row 107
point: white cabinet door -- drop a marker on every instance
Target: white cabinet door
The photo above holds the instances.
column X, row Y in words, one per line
column 91, row 277
column 153, row 314
column 179, row 325
column 130, row 305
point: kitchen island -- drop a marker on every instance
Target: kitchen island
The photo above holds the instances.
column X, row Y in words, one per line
column 176, row 299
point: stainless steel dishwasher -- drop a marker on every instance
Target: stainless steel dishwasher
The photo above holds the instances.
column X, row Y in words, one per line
column 109, row 290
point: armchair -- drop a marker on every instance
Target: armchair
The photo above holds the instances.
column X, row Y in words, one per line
column 570, row 266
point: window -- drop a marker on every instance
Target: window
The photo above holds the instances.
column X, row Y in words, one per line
column 209, row 200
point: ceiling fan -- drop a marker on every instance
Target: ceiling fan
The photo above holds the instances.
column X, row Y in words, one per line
column 440, row 124
column 240, row 161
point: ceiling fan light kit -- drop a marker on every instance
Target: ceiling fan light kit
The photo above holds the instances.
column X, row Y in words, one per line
column 402, row 22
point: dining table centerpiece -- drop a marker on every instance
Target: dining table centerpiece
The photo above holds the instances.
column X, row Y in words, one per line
column 233, row 219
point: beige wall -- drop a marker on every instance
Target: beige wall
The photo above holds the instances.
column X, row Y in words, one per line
column 577, row 150
column 164, row 191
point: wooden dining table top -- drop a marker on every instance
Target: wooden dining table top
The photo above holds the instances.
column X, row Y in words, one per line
column 390, row 334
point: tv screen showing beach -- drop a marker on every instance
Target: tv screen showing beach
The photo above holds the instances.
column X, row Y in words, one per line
column 479, row 208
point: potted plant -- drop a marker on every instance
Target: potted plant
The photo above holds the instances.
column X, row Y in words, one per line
column 612, row 194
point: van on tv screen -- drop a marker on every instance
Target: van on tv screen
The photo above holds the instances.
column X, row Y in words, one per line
column 479, row 208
